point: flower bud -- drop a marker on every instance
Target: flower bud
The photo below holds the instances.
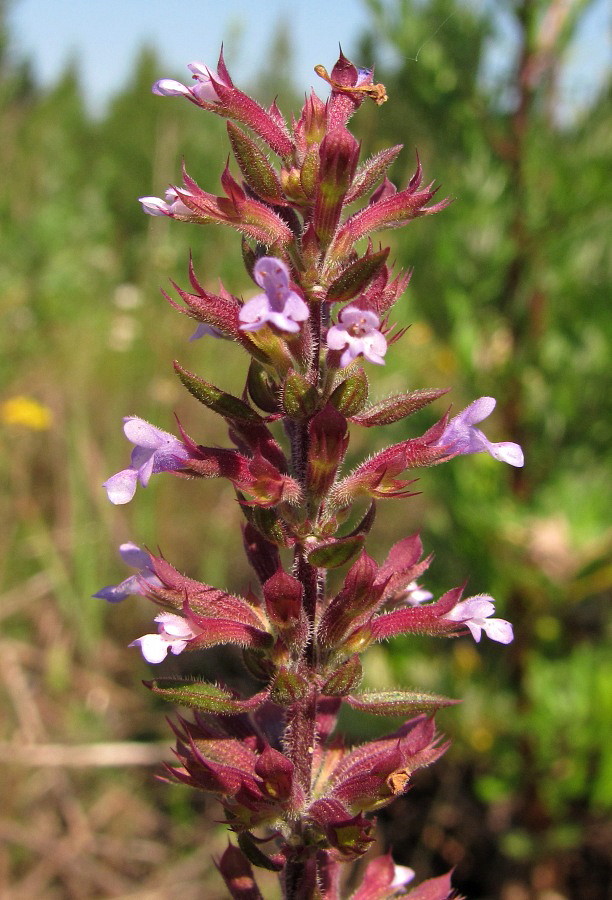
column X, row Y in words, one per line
column 328, row 442
column 289, row 687
column 339, row 152
column 259, row 174
column 345, row 679
column 283, row 598
column 299, row 396
column 350, row 395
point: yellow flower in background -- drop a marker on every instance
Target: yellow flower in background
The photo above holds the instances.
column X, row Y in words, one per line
column 27, row 412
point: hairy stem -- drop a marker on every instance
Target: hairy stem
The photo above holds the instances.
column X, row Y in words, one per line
column 300, row 880
column 300, row 876
column 300, row 736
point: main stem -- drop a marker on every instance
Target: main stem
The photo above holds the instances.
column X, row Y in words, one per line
column 300, row 874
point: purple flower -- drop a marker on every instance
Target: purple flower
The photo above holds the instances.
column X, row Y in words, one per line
column 359, row 334
column 173, row 635
column 278, row 305
column 155, row 451
column 138, row 559
column 475, row 612
column 203, row 89
column 460, row 435
column 206, row 331
column 364, row 75
column 413, row 594
column 402, row 876
column 172, row 206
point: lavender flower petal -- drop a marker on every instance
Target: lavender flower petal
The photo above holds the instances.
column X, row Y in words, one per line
column 462, row 437
column 278, row 305
column 475, row 614
column 134, row 556
column 168, row 87
column 122, row 486
column 173, row 635
column 155, row 451
column 358, row 332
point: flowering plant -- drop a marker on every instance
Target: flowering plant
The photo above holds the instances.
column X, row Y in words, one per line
column 298, row 799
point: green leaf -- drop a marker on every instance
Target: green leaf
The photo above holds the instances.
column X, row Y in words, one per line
column 398, row 703
column 259, row 173
column 344, row 679
column 336, row 553
column 350, row 396
column 288, row 687
column 397, row 407
column 203, row 696
column 310, row 170
column 265, row 520
column 364, row 526
column 356, row 277
column 261, row 388
column 299, row 397
column 214, row 398
column 255, row 855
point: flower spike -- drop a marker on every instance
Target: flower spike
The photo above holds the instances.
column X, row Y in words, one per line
column 298, row 800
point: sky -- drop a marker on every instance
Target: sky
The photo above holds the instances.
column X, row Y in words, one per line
column 105, row 35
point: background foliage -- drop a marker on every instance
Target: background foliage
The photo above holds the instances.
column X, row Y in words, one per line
column 508, row 298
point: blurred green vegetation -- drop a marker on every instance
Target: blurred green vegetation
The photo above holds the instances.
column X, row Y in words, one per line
column 508, row 298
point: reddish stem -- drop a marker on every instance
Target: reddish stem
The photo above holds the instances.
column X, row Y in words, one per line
column 300, row 874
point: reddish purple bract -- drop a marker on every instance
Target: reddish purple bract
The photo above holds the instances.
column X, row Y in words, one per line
column 299, row 799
